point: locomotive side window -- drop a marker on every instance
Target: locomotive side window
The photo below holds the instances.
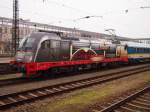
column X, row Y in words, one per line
column 45, row 44
column 138, row 50
column 27, row 43
column 55, row 44
column 64, row 45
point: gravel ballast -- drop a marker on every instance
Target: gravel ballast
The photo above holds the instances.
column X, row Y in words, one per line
column 85, row 99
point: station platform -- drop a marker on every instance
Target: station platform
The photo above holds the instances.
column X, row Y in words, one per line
column 6, row 60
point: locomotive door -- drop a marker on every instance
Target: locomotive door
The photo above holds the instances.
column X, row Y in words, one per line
column 55, row 50
column 65, row 50
column 121, row 51
column 44, row 51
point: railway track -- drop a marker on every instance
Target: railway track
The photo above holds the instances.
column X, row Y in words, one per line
column 15, row 81
column 137, row 102
column 6, row 69
column 12, row 99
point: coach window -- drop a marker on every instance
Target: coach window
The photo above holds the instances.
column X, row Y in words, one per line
column 139, row 50
column 146, row 50
column 136, row 50
column 132, row 50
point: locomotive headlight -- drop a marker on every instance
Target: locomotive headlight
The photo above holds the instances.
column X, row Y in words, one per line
column 19, row 54
column 28, row 56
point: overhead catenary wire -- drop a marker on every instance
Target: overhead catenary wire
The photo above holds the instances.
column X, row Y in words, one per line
column 107, row 13
column 69, row 7
column 90, row 15
column 59, row 20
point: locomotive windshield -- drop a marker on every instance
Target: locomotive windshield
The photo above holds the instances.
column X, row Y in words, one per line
column 22, row 41
column 29, row 43
column 26, row 44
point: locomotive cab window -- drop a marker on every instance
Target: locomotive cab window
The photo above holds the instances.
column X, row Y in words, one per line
column 27, row 43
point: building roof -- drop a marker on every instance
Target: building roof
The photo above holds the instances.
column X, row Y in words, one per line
column 142, row 39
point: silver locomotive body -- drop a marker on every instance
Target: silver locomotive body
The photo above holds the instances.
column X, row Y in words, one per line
column 46, row 47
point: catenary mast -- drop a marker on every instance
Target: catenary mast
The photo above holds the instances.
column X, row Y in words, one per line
column 15, row 27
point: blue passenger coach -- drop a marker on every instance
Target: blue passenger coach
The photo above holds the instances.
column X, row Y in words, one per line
column 138, row 52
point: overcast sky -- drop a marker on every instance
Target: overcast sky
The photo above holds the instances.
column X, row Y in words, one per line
column 125, row 16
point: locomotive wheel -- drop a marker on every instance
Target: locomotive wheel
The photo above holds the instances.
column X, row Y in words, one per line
column 95, row 66
column 99, row 66
column 46, row 74
column 76, row 69
column 38, row 74
column 52, row 73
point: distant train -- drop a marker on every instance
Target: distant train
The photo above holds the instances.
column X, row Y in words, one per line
column 47, row 51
